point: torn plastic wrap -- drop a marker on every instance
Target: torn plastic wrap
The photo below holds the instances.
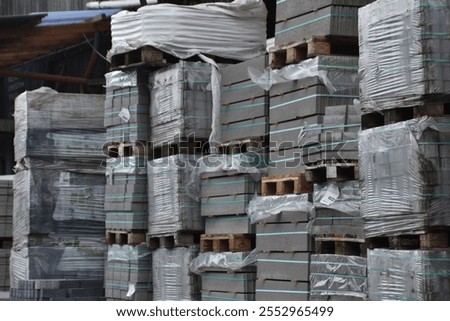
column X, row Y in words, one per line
column 224, row 261
column 170, row 207
column 128, row 272
column 337, row 209
column 252, row 162
column 404, row 173
column 181, row 100
column 409, row 275
column 185, row 31
column 172, row 279
column 338, row 275
column 337, row 73
column 57, row 262
column 58, row 125
column 403, row 52
column 262, row 207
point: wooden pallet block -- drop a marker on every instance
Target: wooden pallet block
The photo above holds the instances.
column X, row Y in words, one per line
column 180, row 238
column 341, row 245
column 133, row 237
column 226, row 242
column 332, row 172
column 286, row 184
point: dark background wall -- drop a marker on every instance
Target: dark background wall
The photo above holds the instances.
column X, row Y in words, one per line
column 16, row 7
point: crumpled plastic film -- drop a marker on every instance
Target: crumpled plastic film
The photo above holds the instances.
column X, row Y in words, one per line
column 121, row 78
column 125, row 165
column 409, row 275
column 185, row 31
column 262, row 207
column 127, row 253
column 172, row 278
column 337, row 73
column 404, row 174
column 59, row 125
column 228, row 261
column 403, row 52
column 344, row 275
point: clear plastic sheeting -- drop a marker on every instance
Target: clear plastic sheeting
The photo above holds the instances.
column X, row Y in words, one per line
column 223, row 261
column 54, row 125
column 125, row 253
column 57, row 262
column 405, row 175
column 338, row 275
column 337, row 73
column 170, row 207
column 262, row 207
column 409, row 275
column 234, row 30
column 181, row 103
column 136, row 165
column 172, row 278
column 121, row 78
column 404, row 49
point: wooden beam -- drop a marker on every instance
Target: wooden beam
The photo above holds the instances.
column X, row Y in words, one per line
column 45, row 77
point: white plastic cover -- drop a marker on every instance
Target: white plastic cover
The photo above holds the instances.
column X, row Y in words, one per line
column 234, row 30
column 229, row 261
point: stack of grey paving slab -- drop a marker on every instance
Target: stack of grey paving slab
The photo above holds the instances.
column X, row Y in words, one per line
column 59, row 189
column 300, row 20
column 172, row 278
column 338, row 277
column 128, row 273
column 402, row 54
column 6, row 217
column 127, row 106
column 244, row 105
column 298, row 108
column 283, row 246
column 226, row 276
column 181, row 103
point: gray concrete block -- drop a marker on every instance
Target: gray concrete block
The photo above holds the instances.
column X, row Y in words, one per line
column 228, row 282
column 283, row 237
column 239, row 72
column 229, row 185
column 288, row 217
column 247, row 109
column 284, row 266
column 257, row 127
column 236, row 224
column 225, row 205
column 271, row 290
column 246, row 90
column 224, row 296
column 289, row 161
column 295, row 133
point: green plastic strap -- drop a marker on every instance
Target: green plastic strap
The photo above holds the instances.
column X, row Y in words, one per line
column 336, row 263
column 236, row 88
column 224, row 183
column 225, row 202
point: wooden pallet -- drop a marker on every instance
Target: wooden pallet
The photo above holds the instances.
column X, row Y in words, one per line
column 226, row 242
column 178, row 239
column 6, row 242
column 184, row 146
column 135, row 149
column 254, row 144
column 332, row 171
column 133, row 237
column 392, row 116
column 425, row 240
column 340, row 245
column 315, row 46
column 286, row 184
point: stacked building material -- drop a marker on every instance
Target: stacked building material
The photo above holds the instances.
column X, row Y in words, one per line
column 6, row 217
column 226, row 276
column 128, row 273
column 283, row 246
column 59, row 189
column 172, row 278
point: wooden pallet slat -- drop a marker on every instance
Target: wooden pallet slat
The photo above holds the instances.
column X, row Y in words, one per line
column 226, row 242
column 286, row 184
column 333, row 171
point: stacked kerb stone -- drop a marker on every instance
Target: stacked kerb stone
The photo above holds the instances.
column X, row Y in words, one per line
column 6, row 217
column 59, row 188
column 404, row 148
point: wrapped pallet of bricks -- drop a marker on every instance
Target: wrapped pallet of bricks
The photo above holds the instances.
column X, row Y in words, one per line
column 226, row 276
column 127, row 106
column 404, row 177
column 409, row 275
column 172, row 278
column 128, row 273
column 403, row 54
column 6, row 218
column 181, row 103
column 59, row 189
column 283, row 246
column 338, row 277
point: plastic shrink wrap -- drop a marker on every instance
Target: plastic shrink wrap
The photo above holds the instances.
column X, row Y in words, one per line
column 128, row 273
column 409, row 275
column 170, row 207
column 172, row 279
column 181, row 103
column 404, row 174
column 185, row 31
column 404, row 50
column 223, row 261
column 338, row 275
